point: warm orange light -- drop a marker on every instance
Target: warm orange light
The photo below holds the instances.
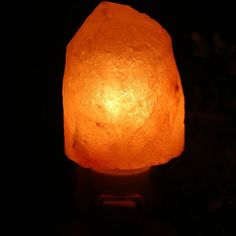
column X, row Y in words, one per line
column 122, row 94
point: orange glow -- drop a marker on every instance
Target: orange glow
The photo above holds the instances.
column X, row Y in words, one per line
column 122, row 95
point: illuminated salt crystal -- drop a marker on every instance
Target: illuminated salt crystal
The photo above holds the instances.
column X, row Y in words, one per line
column 122, row 95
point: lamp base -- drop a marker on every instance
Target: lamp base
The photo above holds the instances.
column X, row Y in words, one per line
column 120, row 172
column 120, row 196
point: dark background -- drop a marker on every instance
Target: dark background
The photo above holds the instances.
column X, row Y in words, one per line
column 198, row 190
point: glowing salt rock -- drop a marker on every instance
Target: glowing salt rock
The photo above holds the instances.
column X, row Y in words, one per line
column 122, row 95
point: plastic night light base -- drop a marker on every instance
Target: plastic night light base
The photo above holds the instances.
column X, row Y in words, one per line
column 114, row 196
column 120, row 172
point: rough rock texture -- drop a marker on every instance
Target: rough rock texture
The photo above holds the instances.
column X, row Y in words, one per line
column 122, row 94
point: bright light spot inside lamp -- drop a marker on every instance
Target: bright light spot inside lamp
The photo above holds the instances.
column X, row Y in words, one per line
column 122, row 95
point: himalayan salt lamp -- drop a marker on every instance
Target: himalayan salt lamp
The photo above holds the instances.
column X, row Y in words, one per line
column 122, row 94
